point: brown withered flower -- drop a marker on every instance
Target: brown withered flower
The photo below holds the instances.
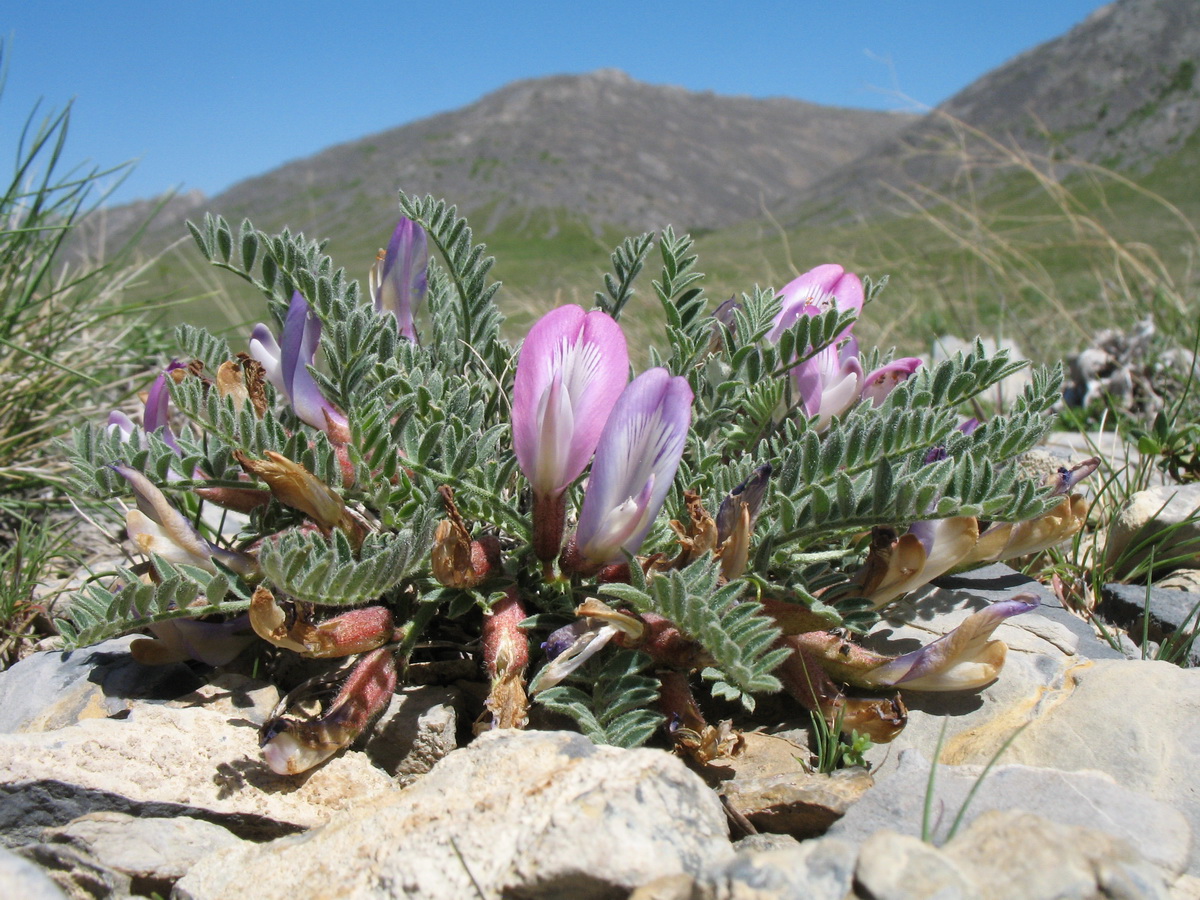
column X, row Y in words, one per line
column 295, row 486
column 457, row 560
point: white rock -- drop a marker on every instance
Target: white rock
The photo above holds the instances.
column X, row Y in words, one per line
column 544, row 814
column 153, row 852
column 1134, row 720
column 1148, row 513
column 19, row 878
column 165, row 761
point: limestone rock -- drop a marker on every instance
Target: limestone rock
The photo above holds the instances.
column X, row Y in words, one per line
column 1149, row 513
column 802, row 804
column 161, row 761
column 1011, row 853
column 999, row 582
column 51, row 690
column 236, row 696
column 1135, row 721
column 419, row 727
column 21, row 878
column 820, row 869
column 1044, row 646
column 77, row 874
column 894, row 866
column 1187, row 887
column 518, row 814
column 1005, row 854
column 1181, row 580
column 153, row 853
column 1170, row 611
column 1094, row 800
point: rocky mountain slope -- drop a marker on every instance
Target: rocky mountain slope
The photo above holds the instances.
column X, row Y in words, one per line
column 601, row 148
column 1118, row 90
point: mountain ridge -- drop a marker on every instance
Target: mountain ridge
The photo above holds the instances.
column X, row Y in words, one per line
column 1118, row 90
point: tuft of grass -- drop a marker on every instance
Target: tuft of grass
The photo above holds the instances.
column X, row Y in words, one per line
column 70, row 347
column 27, row 558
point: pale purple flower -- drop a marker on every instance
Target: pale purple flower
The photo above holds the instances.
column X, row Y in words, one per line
column 121, row 422
column 1065, row 479
column 962, row 659
column 635, row 463
column 158, row 407
column 399, row 277
column 156, row 412
column 878, row 384
column 818, row 290
column 829, row 383
column 568, row 648
column 286, row 365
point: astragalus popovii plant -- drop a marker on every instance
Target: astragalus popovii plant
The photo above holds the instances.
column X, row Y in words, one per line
column 606, row 546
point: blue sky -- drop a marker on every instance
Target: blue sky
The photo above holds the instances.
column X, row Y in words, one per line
column 204, row 94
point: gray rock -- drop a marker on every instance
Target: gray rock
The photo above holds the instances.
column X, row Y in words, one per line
column 1011, row 853
column 1169, row 611
column 1181, row 580
column 419, row 727
column 764, row 841
column 162, row 761
column 1187, row 887
column 894, row 866
column 1135, row 721
column 999, row 582
column 79, row 876
column 20, row 878
column 517, row 814
column 1165, row 519
column 54, row 689
column 153, row 853
column 1094, row 800
column 820, row 869
column 243, row 699
column 1044, row 647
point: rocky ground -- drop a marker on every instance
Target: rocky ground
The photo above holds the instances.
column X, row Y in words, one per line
column 116, row 779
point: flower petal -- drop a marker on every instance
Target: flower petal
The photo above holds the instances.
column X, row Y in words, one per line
column 963, row 659
column 572, row 368
column 881, row 382
column 636, row 460
column 265, row 350
column 401, row 279
column 825, row 287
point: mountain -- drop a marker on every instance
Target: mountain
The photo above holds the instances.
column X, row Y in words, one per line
column 599, row 150
column 1118, row 90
